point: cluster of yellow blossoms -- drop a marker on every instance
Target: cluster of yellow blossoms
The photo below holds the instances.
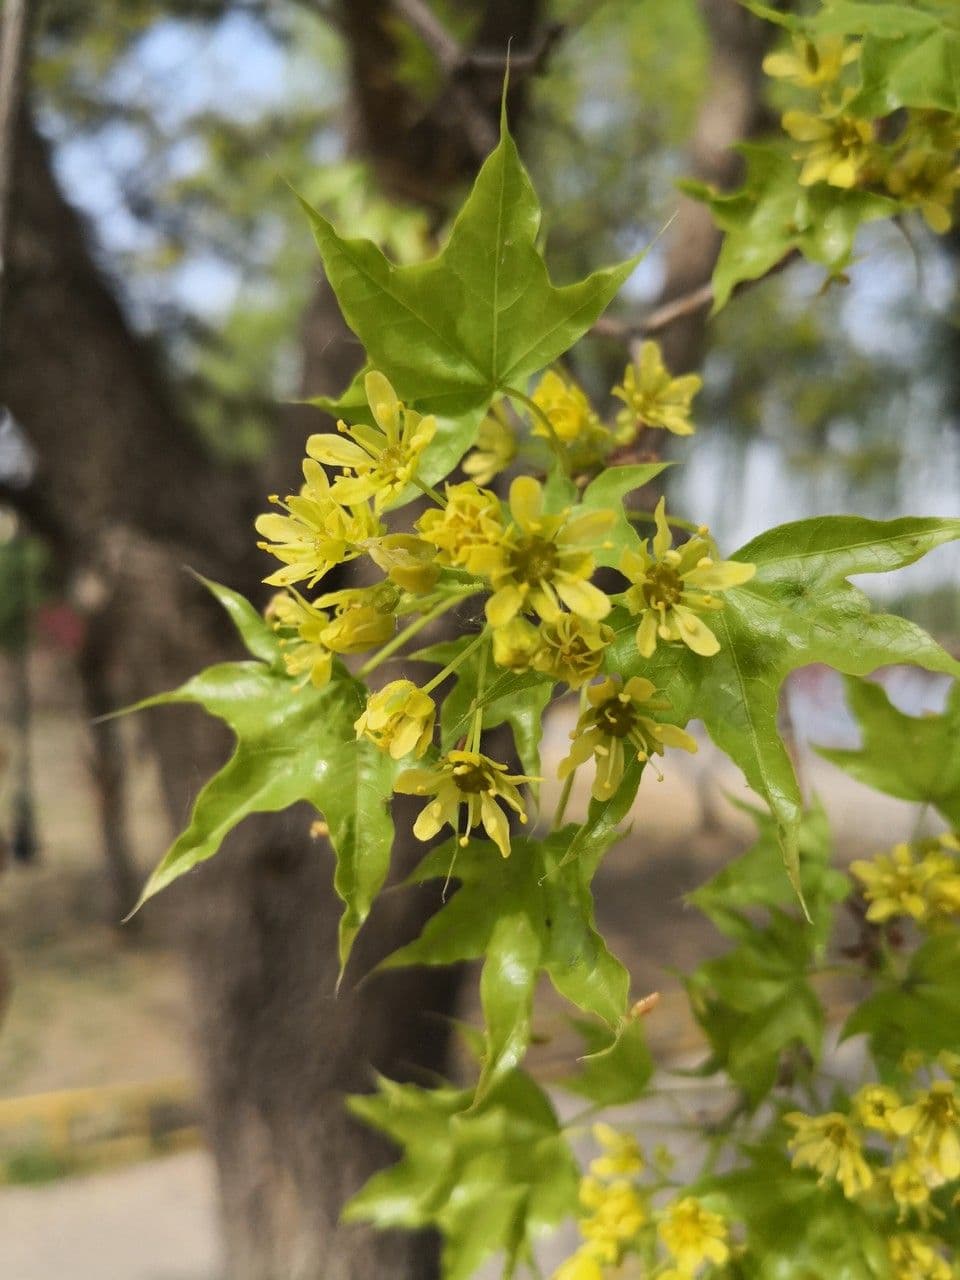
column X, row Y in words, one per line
column 620, row 1220
column 920, row 881
column 913, row 157
column 914, row 1150
column 532, row 560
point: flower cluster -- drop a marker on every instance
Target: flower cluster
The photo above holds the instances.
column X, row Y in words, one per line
column 913, row 157
column 561, row 415
column 532, row 558
column 897, row 1147
column 620, row 1218
column 920, row 881
column 671, row 588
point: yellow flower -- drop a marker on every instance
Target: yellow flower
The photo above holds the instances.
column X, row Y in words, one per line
column 908, row 1186
column 839, row 148
column 571, row 648
column 693, row 1235
column 574, row 423
column 813, row 63
column 926, row 172
column 622, row 1156
column 378, row 462
column 542, row 560
column 616, row 716
column 406, row 560
column 617, row 1213
column 316, row 532
column 943, row 888
column 515, row 645
column 928, row 180
column 914, row 1258
column 471, row 779
column 495, row 449
column 672, row 587
column 873, row 1106
column 829, row 1145
column 895, row 884
column 583, row 1265
column 399, row 718
column 471, row 519
column 654, row 398
column 932, row 1122
column 362, row 618
column 301, row 628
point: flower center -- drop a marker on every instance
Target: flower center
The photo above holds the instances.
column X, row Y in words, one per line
column 533, row 560
column 662, row 587
column 616, row 718
column 474, row 778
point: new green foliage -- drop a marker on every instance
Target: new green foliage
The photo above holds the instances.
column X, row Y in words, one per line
column 799, row 608
column 912, row 757
column 293, row 743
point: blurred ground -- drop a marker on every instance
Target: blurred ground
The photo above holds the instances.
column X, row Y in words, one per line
column 94, row 1006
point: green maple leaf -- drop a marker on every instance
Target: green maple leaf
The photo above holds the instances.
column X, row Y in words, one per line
column 909, row 57
column 772, row 216
column 481, row 317
column 798, row 609
column 530, row 912
column 796, row 1228
column 491, row 1178
column 915, row 1010
column 912, row 757
column 293, row 743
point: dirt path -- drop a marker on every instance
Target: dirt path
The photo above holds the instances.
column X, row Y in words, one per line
column 153, row 1221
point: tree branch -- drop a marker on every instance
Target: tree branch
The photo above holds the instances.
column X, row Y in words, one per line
column 688, row 304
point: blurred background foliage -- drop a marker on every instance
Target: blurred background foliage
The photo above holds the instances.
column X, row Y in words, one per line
column 180, row 128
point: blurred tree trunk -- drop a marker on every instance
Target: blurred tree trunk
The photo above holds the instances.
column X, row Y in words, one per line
column 128, row 496
column 732, row 110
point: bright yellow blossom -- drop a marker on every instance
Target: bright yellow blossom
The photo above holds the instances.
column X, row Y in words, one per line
column 377, row 462
column 571, row 648
column 362, row 617
column 672, row 587
column 693, row 1235
column 617, row 1213
column 926, row 172
column 301, row 628
column 574, row 423
column 929, row 181
column 829, row 1145
column 582, row 1265
column 495, row 449
column 839, row 148
column 542, row 560
column 896, row 884
column 408, row 561
column 814, row 63
column 622, row 1156
column 617, row 716
column 874, row 1104
column 399, row 718
column 471, row 779
column 908, row 1186
column 310, row 636
column 914, row 1258
column 932, row 1122
column 315, row 533
column 471, row 519
column 653, row 397
column 516, row 644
